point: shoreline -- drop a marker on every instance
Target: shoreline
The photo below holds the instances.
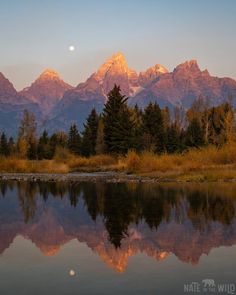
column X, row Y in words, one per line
column 109, row 177
column 75, row 177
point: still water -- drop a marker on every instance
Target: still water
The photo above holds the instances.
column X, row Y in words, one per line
column 98, row 238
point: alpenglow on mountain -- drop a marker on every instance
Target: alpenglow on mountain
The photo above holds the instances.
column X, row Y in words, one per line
column 47, row 90
column 57, row 104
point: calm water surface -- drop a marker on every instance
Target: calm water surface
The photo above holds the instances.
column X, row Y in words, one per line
column 97, row 238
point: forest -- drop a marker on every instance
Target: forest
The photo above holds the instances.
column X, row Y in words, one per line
column 125, row 138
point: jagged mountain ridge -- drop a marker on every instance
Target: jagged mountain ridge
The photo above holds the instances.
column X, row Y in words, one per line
column 12, row 105
column 62, row 104
column 47, row 90
column 185, row 84
column 78, row 102
column 180, row 87
column 8, row 94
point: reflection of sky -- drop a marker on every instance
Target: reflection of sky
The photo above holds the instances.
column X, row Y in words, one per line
column 24, row 270
column 37, row 34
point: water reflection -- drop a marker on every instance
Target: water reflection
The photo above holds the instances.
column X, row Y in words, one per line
column 120, row 220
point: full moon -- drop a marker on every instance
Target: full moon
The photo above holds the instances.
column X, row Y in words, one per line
column 72, row 273
column 72, row 48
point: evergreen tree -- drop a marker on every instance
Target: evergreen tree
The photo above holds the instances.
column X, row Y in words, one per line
column 90, row 134
column 194, row 134
column 182, row 140
column 43, row 149
column 32, row 149
column 119, row 131
column 166, row 124
column 100, row 144
column 11, row 146
column 4, row 149
column 57, row 140
column 153, row 127
column 173, row 144
column 74, row 140
column 166, row 117
column 137, row 113
column 136, row 116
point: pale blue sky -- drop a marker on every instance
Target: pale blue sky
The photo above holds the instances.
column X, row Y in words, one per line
column 36, row 35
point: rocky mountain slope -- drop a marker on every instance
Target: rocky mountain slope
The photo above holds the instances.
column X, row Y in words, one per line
column 46, row 91
column 58, row 104
column 180, row 87
column 12, row 105
column 77, row 103
column 185, row 84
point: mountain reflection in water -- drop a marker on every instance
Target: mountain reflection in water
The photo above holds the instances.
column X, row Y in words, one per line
column 117, row 221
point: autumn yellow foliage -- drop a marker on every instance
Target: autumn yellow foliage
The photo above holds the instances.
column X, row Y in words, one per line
column 210, row 163
column 15, row 165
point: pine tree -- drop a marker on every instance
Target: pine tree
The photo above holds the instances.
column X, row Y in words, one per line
column 138, row 113
column 90, row 134
column 32, row 149
column 182, row 140
column 43, row 148
column 194, row 134
column 136, row 116
column 11, row 146
column 4, row 149
column 166, row 117
column 173, row 139
column 57, row 140
column 74, row 140
column 153, row 127
column 100, row 144
column 119, row 131
column 166, row 124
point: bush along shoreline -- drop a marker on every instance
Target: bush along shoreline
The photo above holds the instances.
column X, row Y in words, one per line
column 196, row 165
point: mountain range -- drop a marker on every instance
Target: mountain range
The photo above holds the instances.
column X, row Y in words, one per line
column 57, row 104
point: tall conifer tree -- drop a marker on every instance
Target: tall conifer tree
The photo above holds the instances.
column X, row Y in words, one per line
column 194, row 134
column 4, row 149
column 119, row 129
column 100, row 144
column 90, row 134
column 153, row 126
column 44, row 151
column 74, row 140
column 173, row 139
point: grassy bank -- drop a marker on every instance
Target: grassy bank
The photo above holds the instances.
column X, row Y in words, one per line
column 206, row 164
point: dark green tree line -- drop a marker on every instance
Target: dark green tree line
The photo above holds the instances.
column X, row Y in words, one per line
column 121, row 128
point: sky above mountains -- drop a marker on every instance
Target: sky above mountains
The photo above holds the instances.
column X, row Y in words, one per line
column 37, row 34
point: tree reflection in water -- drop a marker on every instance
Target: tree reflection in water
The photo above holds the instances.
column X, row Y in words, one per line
column 120, row 206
